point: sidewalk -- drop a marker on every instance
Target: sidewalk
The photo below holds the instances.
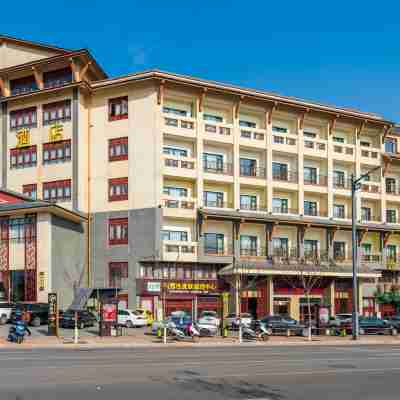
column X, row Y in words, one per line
column 47, row 342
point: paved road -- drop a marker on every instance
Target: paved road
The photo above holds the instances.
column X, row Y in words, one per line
column 270, row 373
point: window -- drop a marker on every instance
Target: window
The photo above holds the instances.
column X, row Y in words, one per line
column 56, row 112
column 57, row 78
column 175, row 111
column 280, row 171
column 214, row 243
column 175, row 191
column 118, row 108
column 118, row 231
column 248, row 167
column 391, row 216
column 30, row 191
column 117, row 272
column 213, row 199
column 25, row 118
column 280, row 205
column 213, row 162
column 248, row 202
column 280, row 246
column 176, row 236
column 16, row 229
column 248, row 245
column 310, row 175
column 311, row 248
column 23, row 85
column 213, row 118
column 57, row 152
column 309, row 135
column 118, row 149
column 338, row 139
column 175, row 151
column 338, row 179
column 279, row 129
column 390, row 185
column 339, row 250
column 391, row 252
column 118, row 189
column 391, row 145
column 23, row 157
column 247, row 124
column 310, row 208
column 338, row 211
column 57, row 190
column 365, row 144
column 365, row 214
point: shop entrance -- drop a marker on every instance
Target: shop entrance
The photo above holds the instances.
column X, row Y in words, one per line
column 252, row 307
column 315, row 304
column 17, row 285
column 282, row 306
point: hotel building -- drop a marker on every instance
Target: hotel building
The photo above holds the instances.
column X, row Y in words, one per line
column 189, row 188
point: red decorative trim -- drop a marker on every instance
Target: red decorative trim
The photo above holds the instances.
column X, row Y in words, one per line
column 30, row 258
column 123, row 189
column 123, row 224
column 122, row 102
column 5, row 256
column 123, row 142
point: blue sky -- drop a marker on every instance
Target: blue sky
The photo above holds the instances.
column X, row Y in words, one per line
column 344, row 52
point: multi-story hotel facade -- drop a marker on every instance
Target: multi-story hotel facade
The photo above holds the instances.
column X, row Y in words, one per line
column 190, row 189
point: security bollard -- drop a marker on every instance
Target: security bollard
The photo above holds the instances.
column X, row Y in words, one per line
column 240, row 334
column 165, row 335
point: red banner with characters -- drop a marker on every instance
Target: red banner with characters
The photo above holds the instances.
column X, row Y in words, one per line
column 109, row 313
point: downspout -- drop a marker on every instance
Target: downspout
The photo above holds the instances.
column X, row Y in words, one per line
column 89, row 221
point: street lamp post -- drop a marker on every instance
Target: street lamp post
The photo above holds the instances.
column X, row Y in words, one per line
column 355, row 185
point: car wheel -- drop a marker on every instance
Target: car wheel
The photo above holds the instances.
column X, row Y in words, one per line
column 129, row 324
column 36, row 322
column 3, row 320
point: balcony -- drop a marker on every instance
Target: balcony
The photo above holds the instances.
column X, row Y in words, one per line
column 256, row 172
column 393, row 261
column 320, row 180
column 371, row 218
column 219, row 251
column 183, row 167
column 218, row 168
column 253, row 207
column 342, row 257
column 371, row 258
column 315, row 147
column 217, row 204
column 285, row 210
column 339, row 183
column 371, row 156
column 315, row 213
column 184, row 126
column 344, row 152
column 287, row 176
column 285, row 255
column 179, row 251
column 218, row 131
column 371, row 187
column 392, row 189
column 252, row 137
column 179, row 208
column 248, row 252
column 284, row 142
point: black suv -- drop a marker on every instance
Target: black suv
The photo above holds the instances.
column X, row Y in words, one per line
column 36, row 313
column 281, row 325
column 85, row 319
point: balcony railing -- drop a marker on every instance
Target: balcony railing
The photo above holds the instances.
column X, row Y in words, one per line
column 315, row 213
column 218, row 168
column 179, row 163
column 370, row 153
column 284, row 210
column 344, row 149
column 284, row 254
column 217, row 204
column 315, row 145
column 279, row 139
column 339, row 183
column 253, row 207
column 180, row 247
column 392, row 189
column 370, row 218
column 253, row 252
column 252, row 134
column 288, row 176
column 320, row 180
column 365, row 187
column 226, row 250
column 371, row 258
column 256, row 172
column 218, row 129
column 179, row 122
column 177, row 203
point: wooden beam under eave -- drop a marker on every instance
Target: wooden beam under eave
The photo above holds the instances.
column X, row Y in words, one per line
column 84, row 70
column 270, row 111
column 237, row 107
column 361, row 128
column 160, row 93
column 2, row 87
column 38, row 78
column 75, row 70
column 332, row 124
column 202, row 99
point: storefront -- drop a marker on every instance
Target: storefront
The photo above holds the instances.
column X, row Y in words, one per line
column 162, row 297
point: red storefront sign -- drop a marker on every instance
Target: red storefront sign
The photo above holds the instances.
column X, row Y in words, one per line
column 184, row 287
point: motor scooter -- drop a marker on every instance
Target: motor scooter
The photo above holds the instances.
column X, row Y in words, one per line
column 261, row 333
column 16, row 333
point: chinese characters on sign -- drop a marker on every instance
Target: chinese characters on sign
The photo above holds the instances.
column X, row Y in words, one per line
column 23, row 138
column 192, row 286
column 56, row 133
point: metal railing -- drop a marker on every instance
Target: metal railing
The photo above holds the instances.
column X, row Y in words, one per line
column 320, row 180
column 217, row 204
column 253, row 252
column 177, row 163
column 339, row 183
column 288, row 176
column 218, row 168
column 285, row 210
column 253, row 207
column 278, row 139
column 256, row 172
column 315, row 213
column 183, row 204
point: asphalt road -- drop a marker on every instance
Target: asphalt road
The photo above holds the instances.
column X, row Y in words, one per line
column 256, row 372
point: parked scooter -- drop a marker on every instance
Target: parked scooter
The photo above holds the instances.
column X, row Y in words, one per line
column 17, row 331
column 179, row 334
column 261, row 333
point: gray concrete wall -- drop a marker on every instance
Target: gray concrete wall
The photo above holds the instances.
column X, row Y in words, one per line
column 143, row 243
column 68, row 258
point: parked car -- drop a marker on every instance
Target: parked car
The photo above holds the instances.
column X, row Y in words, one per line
column 209, row 318
column 233, row 321
column 145, row 313
column 5, row 312
column 131, row 319
column 374, row 325
column 85, row 319
column 279, row 324
column 394, row 320
column 36, row 314
column 340, row 319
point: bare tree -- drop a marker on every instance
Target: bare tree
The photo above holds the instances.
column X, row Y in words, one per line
column 307, row 275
